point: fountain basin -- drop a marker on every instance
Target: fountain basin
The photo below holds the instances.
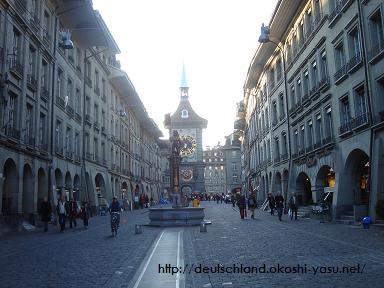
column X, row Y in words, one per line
column 168, row 217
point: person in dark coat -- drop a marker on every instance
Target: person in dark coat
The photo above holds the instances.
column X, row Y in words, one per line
column 252, row 204
column 279, row 204
column 242, row 206
column 72, row 213
column 85, row 213
column 271, row 203
column 45, row 211
column 146, row 199
column 293, row 205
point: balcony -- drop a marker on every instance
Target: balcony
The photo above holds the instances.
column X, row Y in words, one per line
column 44, row 94
column 301, row 151
column 113, row 167
column 21, row 6
column 16, row 68
column 96, row 125
column 12, row 132
column 376, row 52
column 276, row 159
column 314, row 90
column 317, row 144
column 71, row 60
column 77, row 117
column 334, row 15
column 97, row 91
column 104, row 98
column 89, row 156
column 284, row 157
column 30, row 141
column 354, row 63
column 70, row 111
column 59, row 151
column 103, row 131
column 46, row 38
column 345, row 128
column 76, row 158
column 104, row 162
column 360, row 121
column 88, row 119
column 305, row 98
column 31, row 82
column 35, row 23
column 60, row 102
column 309, row 148
column 239, row 124
column 295, row 155
column 97, row 159
column 328, row 140
column 43, row 147
column 69, row 155
column 340, row 74
column 282, row 117
column 88, row 81
column 324, row 83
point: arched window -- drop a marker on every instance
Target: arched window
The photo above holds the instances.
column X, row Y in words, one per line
column 184, row 113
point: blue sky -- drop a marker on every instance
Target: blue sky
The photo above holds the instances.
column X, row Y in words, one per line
column 216, row 39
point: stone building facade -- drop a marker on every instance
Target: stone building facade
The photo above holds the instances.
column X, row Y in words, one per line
column 215, row 170
column 71, row 120
column 313, row 105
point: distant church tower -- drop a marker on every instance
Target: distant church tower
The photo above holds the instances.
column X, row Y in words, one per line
column 190, row 127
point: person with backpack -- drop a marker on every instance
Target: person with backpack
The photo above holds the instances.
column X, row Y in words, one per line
column 271, row 203
column 242, row 206
column 252, row 204
column 279, row 199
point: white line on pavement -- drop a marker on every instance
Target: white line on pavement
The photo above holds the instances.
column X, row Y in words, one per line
column 147, row 263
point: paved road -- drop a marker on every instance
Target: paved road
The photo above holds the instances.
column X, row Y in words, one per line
column 265, row 240
column 91, row 258
column 77, row 257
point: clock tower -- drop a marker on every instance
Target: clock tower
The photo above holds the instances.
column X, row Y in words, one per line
column 190, row 126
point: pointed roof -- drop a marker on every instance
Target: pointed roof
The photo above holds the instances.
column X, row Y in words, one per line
column 193, row 120
column 183, row 83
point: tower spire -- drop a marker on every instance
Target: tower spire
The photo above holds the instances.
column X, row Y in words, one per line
column 183, row 85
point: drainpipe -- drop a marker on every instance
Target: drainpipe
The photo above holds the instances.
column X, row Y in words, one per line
column 370, row 108
column 52, row 195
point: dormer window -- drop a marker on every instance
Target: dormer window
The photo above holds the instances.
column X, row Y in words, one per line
column 184, row 113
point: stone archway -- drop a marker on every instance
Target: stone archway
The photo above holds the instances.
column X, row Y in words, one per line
column 262, row 187
column 59, row 183
column 303, row 189
column 68, row 186
column 325, row 183
column 28, row 194
column 277, row 183
column 100, row 186
column 76, row 188
column 42, row 186
column 10, row 188
column 356, row 185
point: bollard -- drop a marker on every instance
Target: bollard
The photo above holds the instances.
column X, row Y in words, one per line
column 203, row 227
column 138, row 229
column 366, row 222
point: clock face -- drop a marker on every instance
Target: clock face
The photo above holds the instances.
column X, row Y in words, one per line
column 187, row 174
column 188, row 145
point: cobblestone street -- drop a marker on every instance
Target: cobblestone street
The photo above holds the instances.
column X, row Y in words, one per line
column 230, row 240
column 92, row 258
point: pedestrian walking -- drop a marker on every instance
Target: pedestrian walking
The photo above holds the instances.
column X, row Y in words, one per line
column 293, row 206
column 279, row 204
column 146, row 199
column 142, row 200
column 73, row 210
column 242, row 206
column 45, row 211
column 271, row 203
column 61, row 211
column 85, row 213
column 252, row 204
column 233, row 200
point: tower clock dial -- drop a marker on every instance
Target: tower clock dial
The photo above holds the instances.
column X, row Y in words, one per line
column 188, row 145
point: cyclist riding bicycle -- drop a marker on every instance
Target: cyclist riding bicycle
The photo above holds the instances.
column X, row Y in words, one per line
column 115, row 208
